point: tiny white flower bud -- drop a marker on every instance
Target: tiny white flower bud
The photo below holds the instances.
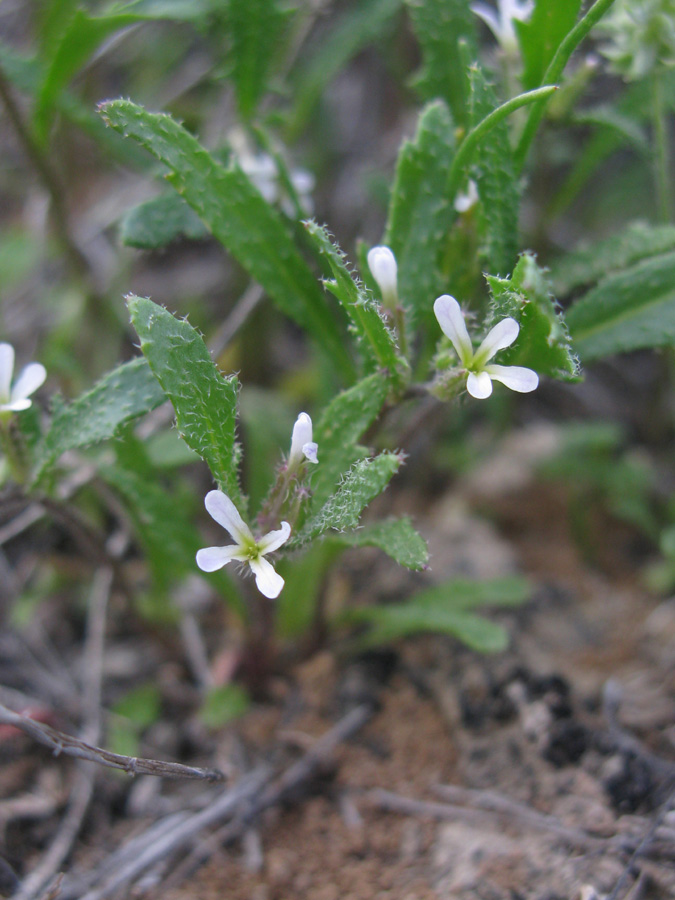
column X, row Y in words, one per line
column 466, row 199
column 302, row 445
column 382, row 263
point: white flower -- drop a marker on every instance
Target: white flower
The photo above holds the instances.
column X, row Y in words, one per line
column 382, row 263
column 263, row 171
column 302, row 445
column 14, row 397
column 466, row 199
column 480, row 375
column 500, row 21
column 245, row 548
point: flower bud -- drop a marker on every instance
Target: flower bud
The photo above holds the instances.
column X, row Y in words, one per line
column 382, row 263
column 302, row 445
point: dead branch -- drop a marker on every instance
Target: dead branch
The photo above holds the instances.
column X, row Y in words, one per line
column 60, row 743
column 387, row 800
column 490, row 807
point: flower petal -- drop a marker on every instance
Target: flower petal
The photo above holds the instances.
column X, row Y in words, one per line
column 274, row 539
column 489, row 16
column 32, row 377
column 222, row 509
column 211, row 558
column 479, row 386
column 16, row 405
column 517, row 378
column 310, row 450
column 6, row 370
column 451, row 319
column 502, row 335
column 268, row 582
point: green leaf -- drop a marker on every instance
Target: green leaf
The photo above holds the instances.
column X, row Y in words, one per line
column 364, row 481
column 239, row 218
column 466, row 594
column 341, row 425
column 420, row 215
column 123, row 394
column 494, row 173
column 440, row 26
column 205, row 402
column 377, row 342
column 615, row 129
column 142, row 706
column 166, row 532
column 445, row 609
column 627, row 310
column 389, row 623
column 396, row 537
column 255, row 30
column 543, row 343
column 364, row 23
column 158, row 222
column 165, row 450
column 162, row 522
column 179, row 10
column 541, row 35
column 222, row 704
column 588, row 265
column 304, row 576
column 72, row 45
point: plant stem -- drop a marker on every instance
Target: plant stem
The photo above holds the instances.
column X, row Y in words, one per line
column 50, row 179
column 475, row 136
column 554, row 73
column 661, row 150
column 10, row 444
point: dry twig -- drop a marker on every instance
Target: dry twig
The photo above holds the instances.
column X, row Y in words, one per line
column 70, row 746
column 660, row 845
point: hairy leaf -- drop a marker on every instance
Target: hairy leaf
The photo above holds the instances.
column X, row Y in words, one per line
column 494, row 173
column 158, row 222
column 628, row 310
column 235, row 212
column 588, row 265
column 364, row 481
column 420, row 215
column 543, row 343
column 376, row 340
column 123, row 394
column 255, row 27
column 205, row 402
column 396, row 537
column 440, row 26
column 341, row 425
